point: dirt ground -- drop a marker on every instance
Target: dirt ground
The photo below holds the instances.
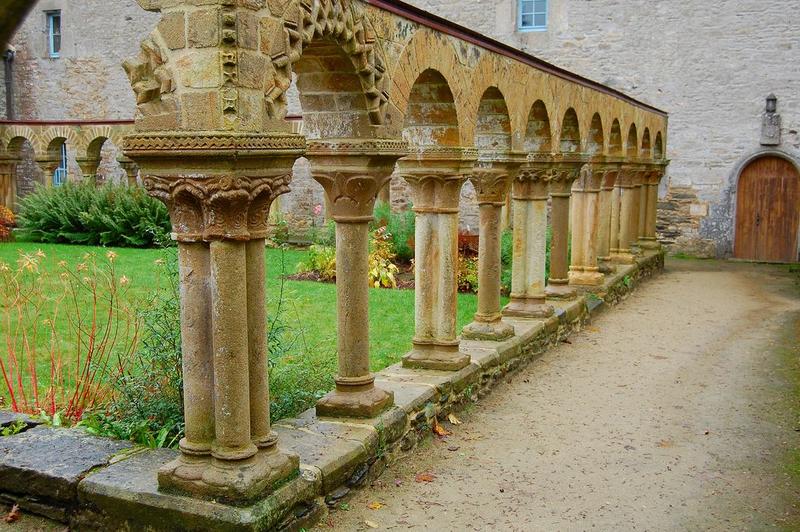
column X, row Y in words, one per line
column 678, row 410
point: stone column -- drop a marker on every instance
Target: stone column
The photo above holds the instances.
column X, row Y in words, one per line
column 625, row 188
column 565, row 171
column 353, row 172
column 219, row 199
column 649, row 240
column 130, row 168
column 436, row 176
column 8, row 181
column 88, row 168
column 48, row 167
column 492, row 180
column 529, row 197
column 636, row 209
column 606, row 206
column 584, row 270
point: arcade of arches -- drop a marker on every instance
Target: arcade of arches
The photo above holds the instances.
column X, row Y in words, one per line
column 383, row 92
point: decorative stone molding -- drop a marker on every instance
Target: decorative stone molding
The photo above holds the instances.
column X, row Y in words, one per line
column 149, row 74
column 436, row 176
column 341, row 21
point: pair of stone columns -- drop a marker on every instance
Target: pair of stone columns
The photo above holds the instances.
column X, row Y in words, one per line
column 649, row 210
column 634, row 210
column 219, row 188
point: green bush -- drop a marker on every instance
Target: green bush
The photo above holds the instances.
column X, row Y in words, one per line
column 83, row 213
column 321, row 260
column 399, row 227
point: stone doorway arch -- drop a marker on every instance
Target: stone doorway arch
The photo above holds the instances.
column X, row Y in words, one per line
column 767, row 209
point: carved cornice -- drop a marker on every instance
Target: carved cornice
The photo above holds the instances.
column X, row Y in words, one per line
column 381, row 147
column 218, row 208
column 211, row 143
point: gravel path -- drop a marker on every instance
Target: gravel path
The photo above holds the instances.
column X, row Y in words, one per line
column 675, row 411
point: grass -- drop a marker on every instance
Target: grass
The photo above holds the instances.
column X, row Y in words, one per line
column 308, row 308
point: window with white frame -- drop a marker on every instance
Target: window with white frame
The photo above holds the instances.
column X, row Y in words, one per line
column 533, row 14
column 60, row 174
column 53, row 33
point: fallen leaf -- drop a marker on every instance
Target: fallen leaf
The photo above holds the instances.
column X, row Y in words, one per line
column 398, row 482
column 13, row 515
column 665, row 444
column 371, row 524
column 592, row 329
column 453, row 419
column 453, row 448
column 375, row 505
column 425, row 477
column 440, row 430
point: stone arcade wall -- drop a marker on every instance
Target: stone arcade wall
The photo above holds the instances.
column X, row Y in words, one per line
column 709, row 64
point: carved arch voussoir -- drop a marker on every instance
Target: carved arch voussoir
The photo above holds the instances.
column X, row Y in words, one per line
column 341, row 21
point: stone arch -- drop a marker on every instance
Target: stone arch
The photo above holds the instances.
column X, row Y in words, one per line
column 595, row 140
column 615, row 139
column 95, row 146
column 490, row 74
column 647, row 150
column 493, row 123
column 570, row 138
column 431, row 116
column 538, row 137
column 54, row 137
column 15, row 136
column 339, row 21
column 427, row 51
column 632, row 143
column 658, row 147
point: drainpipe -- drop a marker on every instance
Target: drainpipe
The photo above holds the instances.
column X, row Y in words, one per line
column 8, row 60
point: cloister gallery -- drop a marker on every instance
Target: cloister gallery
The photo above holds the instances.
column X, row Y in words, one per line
column 385, row 90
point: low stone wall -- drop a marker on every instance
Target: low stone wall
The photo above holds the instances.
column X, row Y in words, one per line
column 100, row 484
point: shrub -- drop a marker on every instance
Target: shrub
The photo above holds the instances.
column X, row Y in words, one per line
column 147, row 406
column 467, row 274
column 82, row 213
column 68, row 332
column 382, row 270
column 321, row 261
column 324, row 235
column 400, row 229
column 7, row 223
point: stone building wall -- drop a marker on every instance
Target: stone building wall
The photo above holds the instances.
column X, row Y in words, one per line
column 710, row 64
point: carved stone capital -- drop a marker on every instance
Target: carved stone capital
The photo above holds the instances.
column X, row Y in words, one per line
column 353, row 172
column 493, row 175
column 631, row 175
column 217, row 186
column 436, row 175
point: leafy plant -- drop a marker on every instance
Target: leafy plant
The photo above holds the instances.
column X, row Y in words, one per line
column 147, row 406
column 322, row 261
column 14, row 428
column 83, row 213
column 382, row 271
column 400, row 227
column 324, row 235
column 467, row 274
column 82, row 316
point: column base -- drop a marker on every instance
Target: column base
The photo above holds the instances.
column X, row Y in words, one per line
column 649, row 244
column 528, row 307
column 605, row 266
column 351, row 401
column 586, row 278
column 229, row 481
column 489, row 330
column 623, row 257
column 560, row 290
column 441, row 356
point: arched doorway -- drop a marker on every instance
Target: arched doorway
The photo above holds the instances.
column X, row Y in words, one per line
column 768, row 211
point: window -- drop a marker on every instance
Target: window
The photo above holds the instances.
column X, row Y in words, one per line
column 53, row 33
column 533, row 14
column 60, row 175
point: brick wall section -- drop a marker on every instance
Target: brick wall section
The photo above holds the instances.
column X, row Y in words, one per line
column 709, row 64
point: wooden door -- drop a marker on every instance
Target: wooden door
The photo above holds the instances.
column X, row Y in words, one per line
column 768, row 211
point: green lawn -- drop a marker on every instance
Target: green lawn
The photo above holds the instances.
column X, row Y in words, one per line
column 308, row 309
